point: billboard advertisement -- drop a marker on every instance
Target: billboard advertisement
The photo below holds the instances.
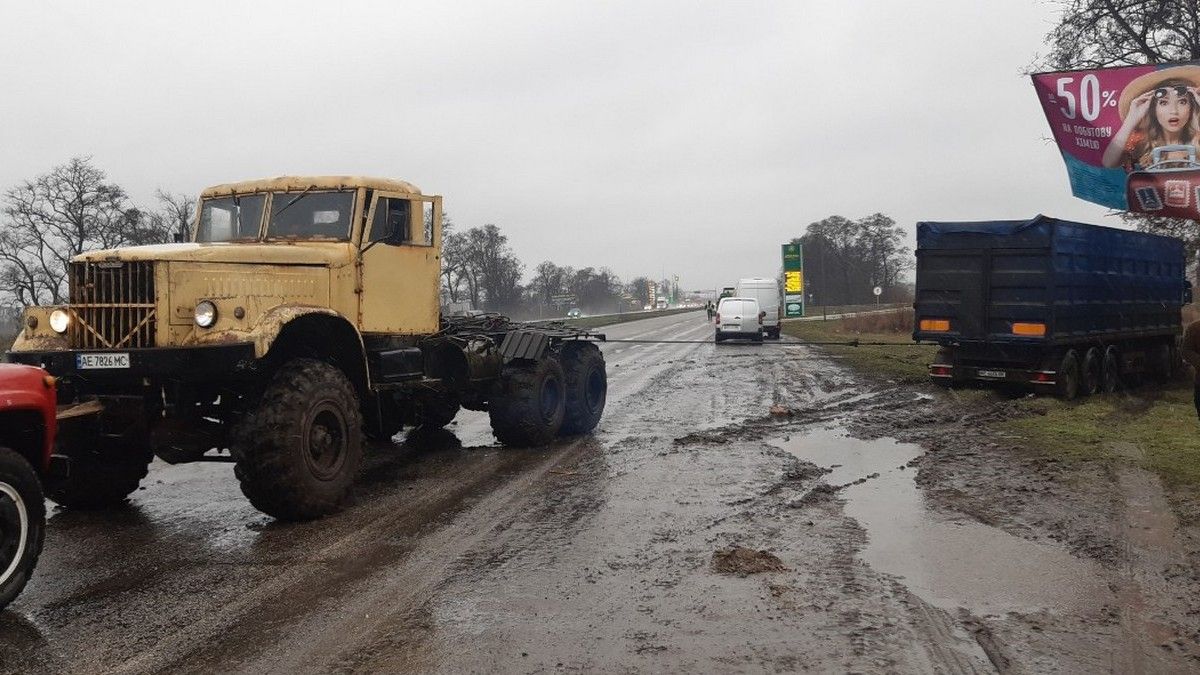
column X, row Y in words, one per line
column 1130, row 136
column 793, row 280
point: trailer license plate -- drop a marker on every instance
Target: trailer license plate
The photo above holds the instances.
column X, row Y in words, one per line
column 992, row 373
column 96, row 361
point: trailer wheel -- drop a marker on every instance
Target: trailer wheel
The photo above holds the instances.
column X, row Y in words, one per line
column 1092, row 372
column 1067, row 385
column 587, row 388
column 22, row 524
column 530, row 403
column 299, row 450
column 1110, row 371
column 103, row 471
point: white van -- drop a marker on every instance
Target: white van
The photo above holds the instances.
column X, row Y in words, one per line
column 739, row 318
column 766, row 291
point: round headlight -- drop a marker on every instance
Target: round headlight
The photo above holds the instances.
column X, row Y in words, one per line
column 206, row 314
column 59, row 320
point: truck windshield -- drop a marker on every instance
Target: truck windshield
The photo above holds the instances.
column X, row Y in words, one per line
column 311, row 215
column 233, row 218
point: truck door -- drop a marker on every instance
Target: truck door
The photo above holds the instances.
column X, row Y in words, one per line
column 399, row 267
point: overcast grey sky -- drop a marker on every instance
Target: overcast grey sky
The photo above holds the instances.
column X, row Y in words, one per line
column 655, row 138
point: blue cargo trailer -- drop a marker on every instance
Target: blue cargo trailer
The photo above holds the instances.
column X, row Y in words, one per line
column 1046, row 302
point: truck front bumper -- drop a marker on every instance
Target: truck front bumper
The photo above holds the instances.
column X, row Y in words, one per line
column 191, row 364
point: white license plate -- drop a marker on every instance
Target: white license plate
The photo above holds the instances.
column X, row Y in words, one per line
column 96, row 361
column 992, row 373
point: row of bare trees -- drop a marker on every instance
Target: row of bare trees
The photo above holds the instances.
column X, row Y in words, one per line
column 72, row 209
column 844, row 260
column 479, row 268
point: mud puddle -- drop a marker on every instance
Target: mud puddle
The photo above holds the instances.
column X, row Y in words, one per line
column 948, row 562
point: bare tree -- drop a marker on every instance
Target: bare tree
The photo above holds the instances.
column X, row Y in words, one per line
column 175, row 215
column 1102, row 33
column 58, row 215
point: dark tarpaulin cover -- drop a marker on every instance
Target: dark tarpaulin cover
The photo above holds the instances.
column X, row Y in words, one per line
column 930, row 233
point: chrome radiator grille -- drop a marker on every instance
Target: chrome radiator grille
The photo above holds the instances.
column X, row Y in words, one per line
column 112, row 305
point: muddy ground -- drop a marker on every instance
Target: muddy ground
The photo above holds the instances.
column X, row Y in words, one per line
column 740, row 508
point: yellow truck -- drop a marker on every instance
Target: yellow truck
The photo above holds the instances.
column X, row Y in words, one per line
column 302, row 315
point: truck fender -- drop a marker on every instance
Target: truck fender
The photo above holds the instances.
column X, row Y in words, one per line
column 319, row 328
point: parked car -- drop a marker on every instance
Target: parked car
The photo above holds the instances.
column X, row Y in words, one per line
column 27, row 428
column 766, row 291
column 739, row 318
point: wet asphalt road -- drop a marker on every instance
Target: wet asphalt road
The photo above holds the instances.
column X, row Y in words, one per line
column 593, row 554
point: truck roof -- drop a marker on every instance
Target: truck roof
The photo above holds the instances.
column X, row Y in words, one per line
column 931, row 234
column 296, row 183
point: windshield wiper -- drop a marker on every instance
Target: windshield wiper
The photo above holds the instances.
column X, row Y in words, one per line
column 291, row 201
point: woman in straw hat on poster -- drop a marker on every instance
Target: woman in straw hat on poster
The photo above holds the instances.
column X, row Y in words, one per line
column 1157, row 109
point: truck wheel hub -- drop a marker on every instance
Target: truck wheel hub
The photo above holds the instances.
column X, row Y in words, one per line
column 14, row 531
column 325, row 442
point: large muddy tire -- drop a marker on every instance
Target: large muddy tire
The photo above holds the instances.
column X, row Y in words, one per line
column 1067, row 379
column 529, row 404
column 587, row 388
column 103, row 471
column 22, row 524
column 1092, row 372
column 299, row 451
column 1110, row 371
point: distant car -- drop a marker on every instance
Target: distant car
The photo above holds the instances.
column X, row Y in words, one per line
column 574, row 313
column 739, row 318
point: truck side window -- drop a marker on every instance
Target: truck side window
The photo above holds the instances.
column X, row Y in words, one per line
column 392, row 215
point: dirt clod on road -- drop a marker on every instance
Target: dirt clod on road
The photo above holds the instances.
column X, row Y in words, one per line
column 743, row 562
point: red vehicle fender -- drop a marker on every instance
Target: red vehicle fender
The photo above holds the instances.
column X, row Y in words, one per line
column 30, row 388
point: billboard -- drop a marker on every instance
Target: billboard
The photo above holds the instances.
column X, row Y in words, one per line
column 793, row 280
column 1129, row 136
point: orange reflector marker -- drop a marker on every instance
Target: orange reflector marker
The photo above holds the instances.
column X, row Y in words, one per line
column 49, row 381
column 1034, row 329
column 935, row 324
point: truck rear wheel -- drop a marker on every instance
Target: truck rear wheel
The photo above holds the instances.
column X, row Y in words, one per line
column 299, row 450
column 22, row 524
column 1067, row 383
column 587, row 388
column 103, row 472
column 530, row 403
column 1110, row 371
column 1092, row 372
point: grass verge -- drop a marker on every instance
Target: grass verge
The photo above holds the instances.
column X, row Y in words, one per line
column 907, row 362
column 1153, row 426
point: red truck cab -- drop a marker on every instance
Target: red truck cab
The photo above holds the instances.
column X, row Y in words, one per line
column 27, row 430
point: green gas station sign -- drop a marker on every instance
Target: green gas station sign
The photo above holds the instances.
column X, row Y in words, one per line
column 793, row 280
